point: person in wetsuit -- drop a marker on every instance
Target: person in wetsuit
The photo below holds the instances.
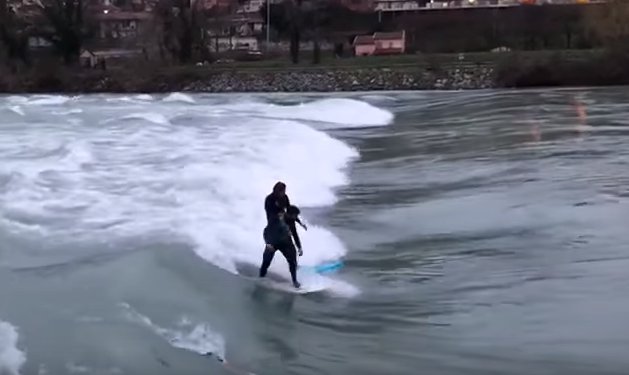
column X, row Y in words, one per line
column 277, row 234
column 292, row 217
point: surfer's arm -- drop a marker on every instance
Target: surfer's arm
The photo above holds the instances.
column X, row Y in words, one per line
column 302, row 224
column 293, row 231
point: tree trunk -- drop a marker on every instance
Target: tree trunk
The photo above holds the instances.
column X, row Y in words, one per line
column 316, row 51
column 295, row 37
column 294, row 45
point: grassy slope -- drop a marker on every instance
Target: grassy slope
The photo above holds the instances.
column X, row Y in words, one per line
column 471, row 59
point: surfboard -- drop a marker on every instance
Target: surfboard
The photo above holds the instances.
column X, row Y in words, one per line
column 280, row 283
column 288, row 286
column 281, row 286
column 324, row 267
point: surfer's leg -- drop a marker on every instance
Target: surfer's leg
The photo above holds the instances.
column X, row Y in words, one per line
column 290, row 254
column 267, row 258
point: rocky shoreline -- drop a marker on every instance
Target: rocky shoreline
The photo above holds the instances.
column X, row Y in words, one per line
column 206, row 79
column 345, row 80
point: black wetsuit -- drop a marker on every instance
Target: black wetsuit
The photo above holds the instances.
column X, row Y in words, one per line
column 293, row 230
column 274, row 206
column 278, row 234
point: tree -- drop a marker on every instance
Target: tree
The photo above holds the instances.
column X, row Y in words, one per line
column 64, row 25
column 608, row 22
column 286, row 19
column 277, row 18
column 182, row 28
column 296, row 15
column 323, row 18
column 314, row 20
column 13, row 36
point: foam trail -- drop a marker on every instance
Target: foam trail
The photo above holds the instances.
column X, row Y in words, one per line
column 198, row 338
column 17, row 109
column 11, row 358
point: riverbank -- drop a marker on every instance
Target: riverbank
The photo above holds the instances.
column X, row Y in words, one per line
column 205, row 79
column 457, row 72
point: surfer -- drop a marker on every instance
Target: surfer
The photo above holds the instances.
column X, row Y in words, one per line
column 277, row 234
column 292, row 217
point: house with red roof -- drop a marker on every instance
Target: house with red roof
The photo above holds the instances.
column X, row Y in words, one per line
column 380, row 43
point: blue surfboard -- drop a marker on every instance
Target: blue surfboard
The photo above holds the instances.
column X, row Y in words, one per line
column 324, row 267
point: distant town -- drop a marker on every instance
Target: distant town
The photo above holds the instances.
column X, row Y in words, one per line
column 308, row 45
column 123, row 27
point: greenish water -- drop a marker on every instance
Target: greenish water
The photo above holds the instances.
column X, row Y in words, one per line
column 482, row 232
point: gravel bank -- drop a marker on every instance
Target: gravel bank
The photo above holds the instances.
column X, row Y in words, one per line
column 199, row 79
column 345, row 80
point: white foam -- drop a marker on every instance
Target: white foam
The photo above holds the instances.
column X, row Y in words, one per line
column 50, row 100
column 68, row 112
column 375, row 98
column 74, row 368
column 11, row 358
column 205, row 178
column 17, row 109
column 156, row 118
column 348, row 112
column 17, row 99
column 195, row 337
column 179, row 97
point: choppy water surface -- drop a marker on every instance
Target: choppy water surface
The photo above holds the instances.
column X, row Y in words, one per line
column 483, row 233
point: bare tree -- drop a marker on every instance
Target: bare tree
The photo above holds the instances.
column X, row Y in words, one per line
column 216, row 21
column 311, row 23
column 307, row 19
column 13, row 36
column 295, row 12
column 181, row 27
column 63, row 24
column 608, row 22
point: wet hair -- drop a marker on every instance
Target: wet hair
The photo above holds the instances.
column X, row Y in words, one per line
column 279, row 186
column 293, row 210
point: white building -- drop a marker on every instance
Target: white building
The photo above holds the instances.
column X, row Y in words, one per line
column 254, row 5
column 393, row 5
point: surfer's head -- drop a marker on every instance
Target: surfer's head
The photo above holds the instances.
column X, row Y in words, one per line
column 279, row 189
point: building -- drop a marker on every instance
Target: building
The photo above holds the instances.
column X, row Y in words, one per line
column 402, row 5
column 358, row 5
column 395, row 5
column 238, row 31
column 364, row 45
column 117, row 25
column 252, row 6
column 103, row 58
column 390, row 43
column 248, row 24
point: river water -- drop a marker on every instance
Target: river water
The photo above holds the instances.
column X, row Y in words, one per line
column 482, row 232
